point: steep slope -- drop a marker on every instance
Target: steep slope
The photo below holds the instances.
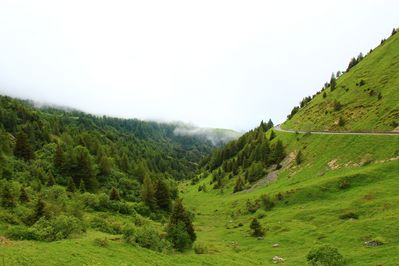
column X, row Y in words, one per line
column 365, row 97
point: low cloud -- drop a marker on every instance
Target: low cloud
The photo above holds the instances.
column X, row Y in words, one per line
column 215, row 135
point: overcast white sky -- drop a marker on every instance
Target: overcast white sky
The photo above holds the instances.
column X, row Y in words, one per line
column 212, row 63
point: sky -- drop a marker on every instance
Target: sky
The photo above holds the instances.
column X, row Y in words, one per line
column 225, row 64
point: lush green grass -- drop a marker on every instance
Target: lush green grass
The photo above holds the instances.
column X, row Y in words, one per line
column 307, row 215
column 361, row 110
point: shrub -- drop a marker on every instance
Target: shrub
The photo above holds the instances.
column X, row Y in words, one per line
column 101, row 242
column 337, row 105
column 349, row 215
column 267, row 202
column 146, row 237
column 256, row 228
column 61, row 227
column 253, row 206
column 341, row 121
column 179, row 236
column 106, row 225
column 344, row 184
column 21, row 233
column 200, row 248
column 325, row 256
column 299, row 158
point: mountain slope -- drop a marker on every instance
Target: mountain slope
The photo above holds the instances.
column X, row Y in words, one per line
column 366, row 97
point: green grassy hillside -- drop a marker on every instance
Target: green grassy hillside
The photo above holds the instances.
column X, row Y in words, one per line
column 368, row 95
column 342, row 190
column 338, row 175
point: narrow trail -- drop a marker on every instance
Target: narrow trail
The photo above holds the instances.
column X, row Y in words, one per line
column 278, row 128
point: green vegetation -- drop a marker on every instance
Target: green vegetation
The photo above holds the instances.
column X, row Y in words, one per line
column 83, row 190
column 352, row 101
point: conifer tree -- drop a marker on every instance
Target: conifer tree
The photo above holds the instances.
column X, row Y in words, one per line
column 299, row 158
column 272, row 135
column 278, row 152
column 23, row 148
column 82, row 186
column 256, row 228
column 59, row 158
column 50, row 180
column 239, row 186
column 104, row 165
column 39, row 210
column 148, row 192
column 7, row 197
column 162, row 195
column 333, row 82
column 179, row 225
column 114, row 194
column 23, row 196
column 71, row 187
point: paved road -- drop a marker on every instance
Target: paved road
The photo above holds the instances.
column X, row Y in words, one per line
column 278, row 128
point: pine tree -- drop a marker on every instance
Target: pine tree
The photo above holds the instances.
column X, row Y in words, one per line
column 114, row 194
column 162, row 195
column 71, row 187
column 180, row 219
column 23, row 149
column 299, row 158
column 59, row 158
column 239, row 186
column 82, row 186
column 278, row 152
column 104, row 165
column 7, row 197
column 39, row 210
column 148, row 192
column 272, row 135
column 256, row 228
column 50, row 180
column 82, row 168
column 23, row 196
column 333, row 82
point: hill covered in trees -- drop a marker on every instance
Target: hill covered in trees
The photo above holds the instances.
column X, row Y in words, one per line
column 364, row 97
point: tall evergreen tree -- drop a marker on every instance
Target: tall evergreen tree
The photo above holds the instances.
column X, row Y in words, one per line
column 59, row 158
column 114, row 194
column 333, row 82
column 23, row 148
column 182, row 220
column 239, row 186
column 71, row 187
column 162, row 195
column 278, row 152
column 23, row 196
column 50, row 179
column 148, row 192
column 82, row 186
column 7, row 197
column 256, row 228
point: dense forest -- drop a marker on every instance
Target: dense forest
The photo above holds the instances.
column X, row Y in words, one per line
column 55, row 165
column 248, row 159
column 64, row 172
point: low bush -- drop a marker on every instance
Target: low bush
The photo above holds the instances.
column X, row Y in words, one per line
column 21, row 233
column 101, row 242
column 146, row 237
column 267, row 202
column 106, row 225
column 200, row 248
column 325, row 256
column 349, row 215
column 60, row 227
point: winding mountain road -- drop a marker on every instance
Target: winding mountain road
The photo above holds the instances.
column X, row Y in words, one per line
column 278, row 128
